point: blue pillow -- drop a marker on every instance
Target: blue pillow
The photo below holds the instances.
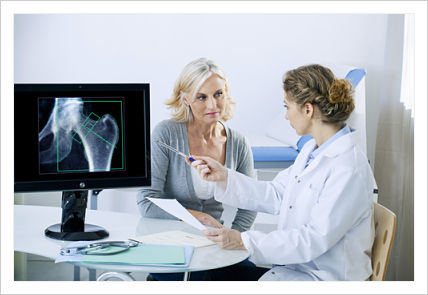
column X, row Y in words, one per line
column 274, row 154
column 355, row 76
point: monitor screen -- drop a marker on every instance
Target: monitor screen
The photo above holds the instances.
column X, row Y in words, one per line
column 81, row 136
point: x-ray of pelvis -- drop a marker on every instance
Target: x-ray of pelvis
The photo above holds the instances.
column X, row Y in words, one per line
column 75, row 139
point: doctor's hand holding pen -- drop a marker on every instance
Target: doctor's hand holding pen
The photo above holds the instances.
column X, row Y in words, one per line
column 211, row 170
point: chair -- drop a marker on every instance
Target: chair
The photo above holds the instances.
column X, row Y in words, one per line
column 384, row 220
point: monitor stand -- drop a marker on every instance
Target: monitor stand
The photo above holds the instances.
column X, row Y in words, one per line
column 73, row 227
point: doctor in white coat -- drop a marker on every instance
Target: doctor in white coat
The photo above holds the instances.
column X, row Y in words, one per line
column 324, row 200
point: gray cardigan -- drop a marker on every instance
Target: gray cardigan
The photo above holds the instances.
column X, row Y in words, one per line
column 171, row 176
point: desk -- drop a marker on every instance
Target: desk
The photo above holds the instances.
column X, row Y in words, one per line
column 31, row 221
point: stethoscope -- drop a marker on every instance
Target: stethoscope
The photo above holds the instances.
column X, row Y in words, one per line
column 94, row 248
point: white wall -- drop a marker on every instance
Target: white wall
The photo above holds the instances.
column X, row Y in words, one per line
column 254, row 50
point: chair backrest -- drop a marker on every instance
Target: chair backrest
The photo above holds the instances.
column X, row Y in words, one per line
column 384, row 220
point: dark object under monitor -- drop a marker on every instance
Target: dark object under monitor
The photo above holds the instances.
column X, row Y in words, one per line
column 79, row 137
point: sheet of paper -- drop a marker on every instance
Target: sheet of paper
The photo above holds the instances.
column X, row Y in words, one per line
column 173, row 207
column 175, row 237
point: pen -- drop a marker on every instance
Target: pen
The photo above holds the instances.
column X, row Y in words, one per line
column 174, row 150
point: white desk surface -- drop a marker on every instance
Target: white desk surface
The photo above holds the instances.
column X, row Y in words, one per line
column 31, row 221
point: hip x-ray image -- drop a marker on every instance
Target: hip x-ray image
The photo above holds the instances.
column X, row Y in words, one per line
column 80, row 134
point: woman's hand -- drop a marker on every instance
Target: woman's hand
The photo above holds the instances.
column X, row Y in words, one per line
column 226, row 238
column 205, row 218
column 209, row 169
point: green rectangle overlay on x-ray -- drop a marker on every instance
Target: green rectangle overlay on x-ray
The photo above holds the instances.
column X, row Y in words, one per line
column 87, row 128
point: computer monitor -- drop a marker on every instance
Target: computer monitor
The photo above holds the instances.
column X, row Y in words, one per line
column 79, row 137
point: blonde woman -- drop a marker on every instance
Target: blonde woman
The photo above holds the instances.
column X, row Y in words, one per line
column 200, row 105
column 324, row 200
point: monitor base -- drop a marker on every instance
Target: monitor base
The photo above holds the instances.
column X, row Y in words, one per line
column 91, row 233
column 72, row 226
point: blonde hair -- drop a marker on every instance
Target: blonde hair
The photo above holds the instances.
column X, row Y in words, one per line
column 189, row 81
column 318, row 85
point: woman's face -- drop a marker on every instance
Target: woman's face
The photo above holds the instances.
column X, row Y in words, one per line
column 209, row 103
column 296, row 115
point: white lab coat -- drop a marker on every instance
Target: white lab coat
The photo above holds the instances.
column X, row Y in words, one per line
column 325, row 228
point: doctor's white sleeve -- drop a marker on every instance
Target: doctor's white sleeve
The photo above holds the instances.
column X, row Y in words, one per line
column 343, row 204
column 248, row 193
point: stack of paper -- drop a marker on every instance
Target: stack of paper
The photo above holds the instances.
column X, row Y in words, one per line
column 175, row 237
column 141, row 255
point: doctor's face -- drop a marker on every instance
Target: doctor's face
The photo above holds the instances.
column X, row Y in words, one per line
column 209, row 102
column 296, row 115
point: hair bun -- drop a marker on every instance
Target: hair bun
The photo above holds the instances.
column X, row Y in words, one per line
column 341, row 94
column 340, row 91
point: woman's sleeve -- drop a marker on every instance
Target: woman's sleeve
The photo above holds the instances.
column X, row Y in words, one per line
column 159, row 168
column 244, row 219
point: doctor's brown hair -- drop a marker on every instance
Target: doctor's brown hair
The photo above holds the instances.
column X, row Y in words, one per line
column 318, row 85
